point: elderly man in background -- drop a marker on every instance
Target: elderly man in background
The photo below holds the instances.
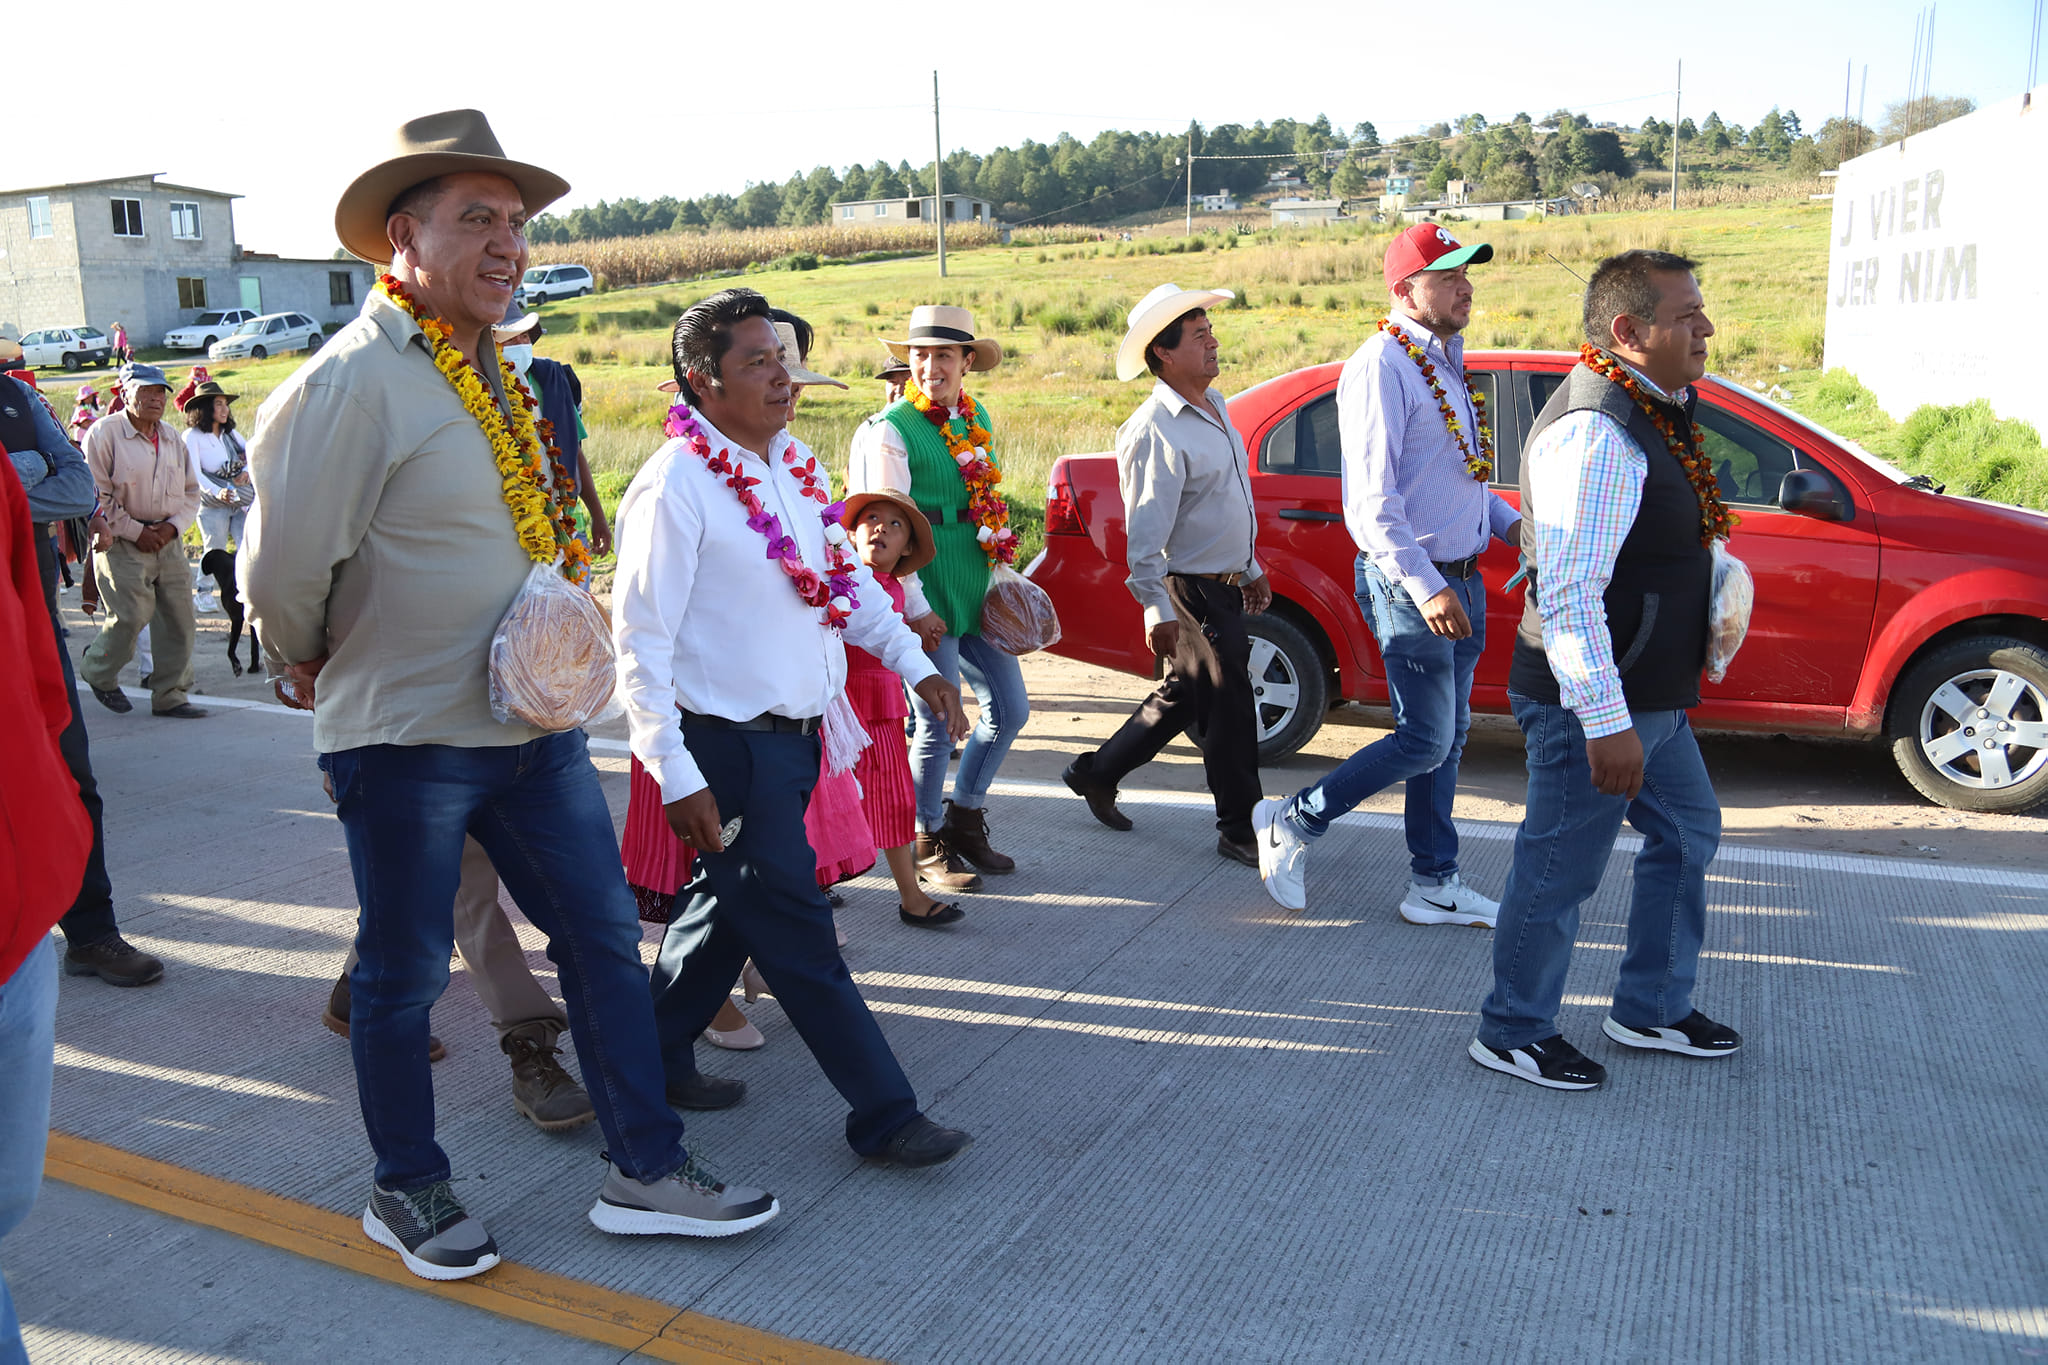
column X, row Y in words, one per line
column 1192, row 529
column 149, row 496
column 383, row 555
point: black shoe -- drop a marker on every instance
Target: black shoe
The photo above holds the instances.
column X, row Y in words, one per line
column 1246, row 853
column 184, row 710
column 115, row 961
column 113, row 699
column 1100, row 796
column 1549, row 1062
column 335, row 1018
column 942, row 914
column 921, row 1142
column 706, row 1092
column 1693, row 1036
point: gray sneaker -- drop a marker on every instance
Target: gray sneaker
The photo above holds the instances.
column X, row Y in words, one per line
column 430, row 1231
column 690, row 1201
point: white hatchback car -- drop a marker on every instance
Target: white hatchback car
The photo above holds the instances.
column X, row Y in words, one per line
column 70, row 347
column 209, row 327
column 268, row 335
column 544, row 282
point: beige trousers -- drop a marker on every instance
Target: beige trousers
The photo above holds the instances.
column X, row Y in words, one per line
column 489, row 948
column 138, row 590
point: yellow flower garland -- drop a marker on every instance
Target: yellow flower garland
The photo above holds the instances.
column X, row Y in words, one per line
column 543, row 515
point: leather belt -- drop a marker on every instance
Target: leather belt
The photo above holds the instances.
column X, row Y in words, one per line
column 1229, row 579
column 763, row 723
column 1458, row 568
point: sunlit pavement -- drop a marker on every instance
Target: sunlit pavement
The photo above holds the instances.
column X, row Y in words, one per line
column 1206, row 1129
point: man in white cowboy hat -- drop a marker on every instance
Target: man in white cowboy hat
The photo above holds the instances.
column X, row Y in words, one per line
column 1193, row 553
column 149, row 496
column 383, row 555
column 901, row 447
column 1417, row 456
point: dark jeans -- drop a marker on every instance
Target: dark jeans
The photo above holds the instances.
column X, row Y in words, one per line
column 1429, row 685
column 760, row 899
column 91, row 917
column 1207, row 692
column 1561, row 853
column 538, row 811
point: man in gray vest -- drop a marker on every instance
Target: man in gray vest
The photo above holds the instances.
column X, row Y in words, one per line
column 1620, row 515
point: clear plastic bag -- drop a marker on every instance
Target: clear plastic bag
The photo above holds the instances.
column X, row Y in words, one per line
column 1728, row 608
column 552, row 662
column 1016, row 615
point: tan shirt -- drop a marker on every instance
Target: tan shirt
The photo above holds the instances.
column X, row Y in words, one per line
column 139, row 483
column 380, row 538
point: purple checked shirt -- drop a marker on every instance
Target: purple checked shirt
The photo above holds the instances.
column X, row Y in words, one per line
column 1408, row 498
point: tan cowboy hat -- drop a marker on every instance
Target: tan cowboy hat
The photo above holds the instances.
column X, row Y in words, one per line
column 941, row 324
column 208, row 389
column 438, row 144
column 10, row 351
column 797, row 373
column 1153, row 315
column 922, row 549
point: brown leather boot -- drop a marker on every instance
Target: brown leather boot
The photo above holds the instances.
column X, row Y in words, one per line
column 940, row 866
column 541, row 1089
column 966, row 833
column 335, row 1017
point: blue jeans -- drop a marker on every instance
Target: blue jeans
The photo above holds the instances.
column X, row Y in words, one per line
column 1561, row 852
column 28, row 1041
column 538, row 811
column 760, row 899
column 998, row 685
column 1429, row 685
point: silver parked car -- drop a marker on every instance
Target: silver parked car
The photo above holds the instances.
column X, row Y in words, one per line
column 268, row 335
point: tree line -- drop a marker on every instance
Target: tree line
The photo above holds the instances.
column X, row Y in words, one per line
column 1119, row 173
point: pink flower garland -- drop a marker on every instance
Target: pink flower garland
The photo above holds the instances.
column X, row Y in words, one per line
column 833, row 591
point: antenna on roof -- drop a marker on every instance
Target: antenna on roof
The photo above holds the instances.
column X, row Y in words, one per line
column 1567, row 269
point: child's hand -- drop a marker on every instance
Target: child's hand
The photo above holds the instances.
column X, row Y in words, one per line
column 930, row 628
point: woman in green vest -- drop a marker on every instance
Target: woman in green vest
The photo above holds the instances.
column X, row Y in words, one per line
column 935, row 443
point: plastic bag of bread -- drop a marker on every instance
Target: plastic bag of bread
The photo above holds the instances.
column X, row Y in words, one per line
column 1016, row 615
column 552, row 663
column 1728, row 608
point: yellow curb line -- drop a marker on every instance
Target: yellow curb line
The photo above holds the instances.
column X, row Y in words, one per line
column 648, row 1327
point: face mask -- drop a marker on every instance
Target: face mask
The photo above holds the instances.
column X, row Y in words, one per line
column 520, row 357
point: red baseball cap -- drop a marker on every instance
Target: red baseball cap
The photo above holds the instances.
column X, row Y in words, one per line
column 1426, row 246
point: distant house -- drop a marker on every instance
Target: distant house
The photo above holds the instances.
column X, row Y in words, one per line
column 1457, row 191
column 1286, row 178
column 1306, row 211
column 960, row 208
column 151, row 256
column 1223, row 201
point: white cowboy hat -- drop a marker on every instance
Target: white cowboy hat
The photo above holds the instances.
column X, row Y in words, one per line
column 1154, row 313
column 797, row 373
column 942, row 324
column 438, row 144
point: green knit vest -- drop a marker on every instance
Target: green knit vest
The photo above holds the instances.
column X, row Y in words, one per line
column 957, row 580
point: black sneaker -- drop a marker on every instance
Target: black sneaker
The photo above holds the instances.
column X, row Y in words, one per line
column 115, row 961
column 430, row 1231
column 1550, row 1062
column 113, row 699
column 1693, row 1036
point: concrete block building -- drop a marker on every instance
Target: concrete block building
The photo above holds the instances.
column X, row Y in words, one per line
column 152, row 256
column 960, row 208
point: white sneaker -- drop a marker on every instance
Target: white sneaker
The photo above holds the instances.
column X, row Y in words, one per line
column 1283, row 854
column 1451, row 903
column 205, row 601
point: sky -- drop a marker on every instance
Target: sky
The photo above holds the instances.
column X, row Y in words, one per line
column 625, row 98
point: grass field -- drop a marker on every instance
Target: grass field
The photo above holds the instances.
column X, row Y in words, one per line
column 1305, row 296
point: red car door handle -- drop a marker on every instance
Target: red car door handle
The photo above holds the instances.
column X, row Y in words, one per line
column 1306, row 514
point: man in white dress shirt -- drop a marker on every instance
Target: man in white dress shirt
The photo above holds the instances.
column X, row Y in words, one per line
column 709, row 623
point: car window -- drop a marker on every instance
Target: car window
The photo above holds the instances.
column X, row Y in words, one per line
column 90, row 333
column 60, row 336
column 1749, row 462
column 1305, row 441
column 32, row 339
column 250, row 327
column 276, row 325
column 207, row 320
column 300, row 320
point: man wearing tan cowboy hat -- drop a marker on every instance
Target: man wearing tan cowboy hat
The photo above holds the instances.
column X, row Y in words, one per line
column 1193, row 535
column 1417, row 456
column 383, row 555
column 149, row 496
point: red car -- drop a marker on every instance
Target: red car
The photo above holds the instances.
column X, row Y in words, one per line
column 1883, row 608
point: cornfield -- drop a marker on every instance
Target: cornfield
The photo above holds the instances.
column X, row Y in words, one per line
column 624, row 262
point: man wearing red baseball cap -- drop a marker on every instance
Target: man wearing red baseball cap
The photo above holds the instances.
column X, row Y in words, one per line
column 1418, row 453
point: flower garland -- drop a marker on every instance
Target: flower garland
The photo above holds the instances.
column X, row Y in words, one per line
column 1716, row 521
column 833, row 592
column 965, row 429
column 1480, row 465
column 543, row 513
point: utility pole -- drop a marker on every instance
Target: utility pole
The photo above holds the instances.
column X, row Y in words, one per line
column 1677, row 101
column 1189, row 229
column 938, row 176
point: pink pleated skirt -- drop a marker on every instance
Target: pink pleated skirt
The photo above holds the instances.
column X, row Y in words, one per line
column 837, row 826
column 887, row 794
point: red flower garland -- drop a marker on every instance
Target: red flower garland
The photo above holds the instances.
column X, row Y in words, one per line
column 1480, row 466
column 1716, row 521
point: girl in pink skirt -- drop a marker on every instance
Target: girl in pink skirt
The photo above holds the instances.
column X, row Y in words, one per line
column 894, row 539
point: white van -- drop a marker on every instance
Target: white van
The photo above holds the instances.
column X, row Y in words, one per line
column 544, row 282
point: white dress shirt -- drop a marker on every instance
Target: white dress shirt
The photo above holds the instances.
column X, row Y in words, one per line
column 704, row 619
column 1181, row 467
